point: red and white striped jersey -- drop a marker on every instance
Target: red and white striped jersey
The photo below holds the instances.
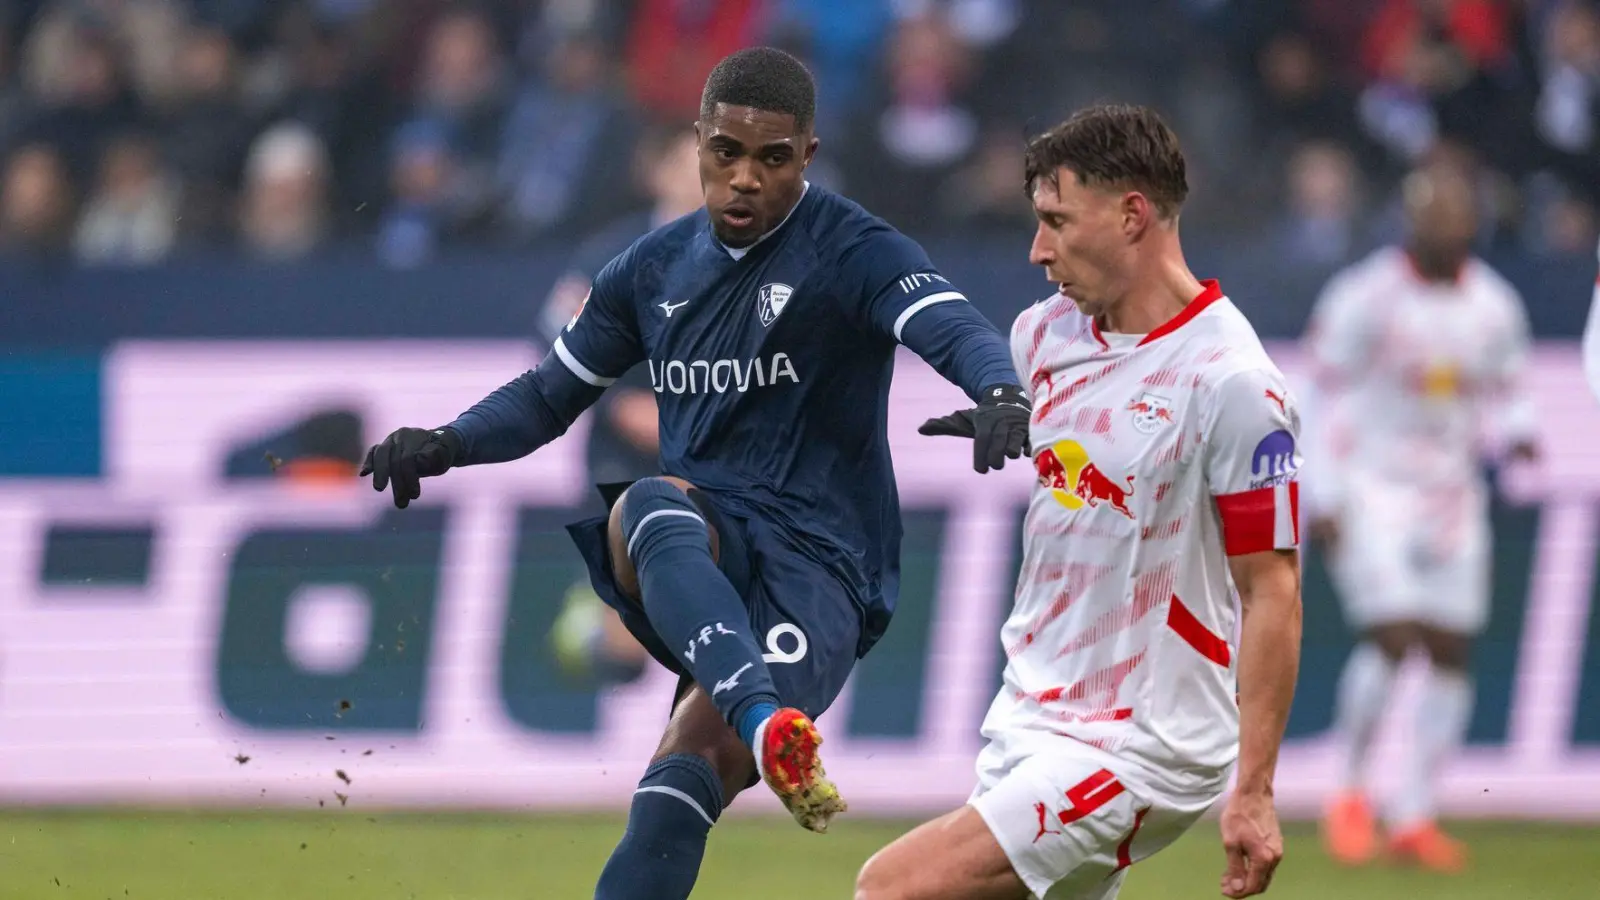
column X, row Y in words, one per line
column 1413, row 379
column 1158, row 456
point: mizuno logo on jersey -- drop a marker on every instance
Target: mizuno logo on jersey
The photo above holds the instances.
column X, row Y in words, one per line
column 913, row 282
column 720, row 376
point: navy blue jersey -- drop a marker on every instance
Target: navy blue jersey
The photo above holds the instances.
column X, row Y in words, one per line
column 771, row 367
column 609, row 454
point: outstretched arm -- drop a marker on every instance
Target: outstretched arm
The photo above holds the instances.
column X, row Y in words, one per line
column 904, row 298
column 528, row 412
column 599, row 344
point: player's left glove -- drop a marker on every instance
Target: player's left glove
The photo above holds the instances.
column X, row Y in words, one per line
column 409, row 455
column 998, row 426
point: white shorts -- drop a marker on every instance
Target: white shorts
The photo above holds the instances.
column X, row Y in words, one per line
column 1406, row 556
column 1072, row 819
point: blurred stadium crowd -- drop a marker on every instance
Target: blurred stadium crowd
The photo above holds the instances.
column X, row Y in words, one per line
column 135, row 130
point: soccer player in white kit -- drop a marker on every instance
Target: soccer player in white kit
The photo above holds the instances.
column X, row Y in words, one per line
column 1155, row 635
column 1418, row 354
column 1591, row 338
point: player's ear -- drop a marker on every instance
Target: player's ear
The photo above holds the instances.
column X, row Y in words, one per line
column 811, row 151
column 1137, row 214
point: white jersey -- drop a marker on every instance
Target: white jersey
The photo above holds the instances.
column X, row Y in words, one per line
column 1158, row 456
column 1591, row 338
column 1413, row 378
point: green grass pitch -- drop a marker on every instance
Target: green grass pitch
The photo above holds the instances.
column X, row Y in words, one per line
column 350, row 854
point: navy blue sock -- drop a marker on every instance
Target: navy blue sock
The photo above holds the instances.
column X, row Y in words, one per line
column 690, row 602
column 659, row 855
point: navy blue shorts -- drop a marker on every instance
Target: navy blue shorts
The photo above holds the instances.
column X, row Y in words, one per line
column 802, row 615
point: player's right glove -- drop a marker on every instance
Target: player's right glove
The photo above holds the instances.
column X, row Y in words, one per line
column 998, row 426
column 408, row 456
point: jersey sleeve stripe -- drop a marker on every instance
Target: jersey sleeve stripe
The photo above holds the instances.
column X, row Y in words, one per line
column 1197, row 635
column 578, row 368
column 920, row 305
column 1260, row 520
column 1286, row 516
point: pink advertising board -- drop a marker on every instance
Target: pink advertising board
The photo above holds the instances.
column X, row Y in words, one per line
column 109, row 694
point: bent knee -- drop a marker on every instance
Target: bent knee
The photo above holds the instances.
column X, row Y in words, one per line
column 877, row 881
column 618, row 524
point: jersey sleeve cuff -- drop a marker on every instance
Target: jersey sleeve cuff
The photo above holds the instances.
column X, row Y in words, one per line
column 920, row 305
column 578, row 368
column 1260, row 520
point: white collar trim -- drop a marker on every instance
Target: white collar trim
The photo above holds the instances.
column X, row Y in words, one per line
column 738, row 252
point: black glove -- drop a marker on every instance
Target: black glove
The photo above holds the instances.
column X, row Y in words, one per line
column 408, row 456
column 998, row 426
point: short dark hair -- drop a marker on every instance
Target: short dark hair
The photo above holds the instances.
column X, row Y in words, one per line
column 764, row 78
column 1125, row 146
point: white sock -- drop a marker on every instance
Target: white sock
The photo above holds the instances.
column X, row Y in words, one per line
column 759, row 742
column 1363, row 694
column 1442, row 720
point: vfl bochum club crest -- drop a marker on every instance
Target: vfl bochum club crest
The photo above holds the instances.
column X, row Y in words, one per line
column 771, row 301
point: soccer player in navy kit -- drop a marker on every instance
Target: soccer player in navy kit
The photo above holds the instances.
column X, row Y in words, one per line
column 765, row 561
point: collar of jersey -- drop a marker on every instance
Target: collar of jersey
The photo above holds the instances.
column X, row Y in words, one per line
column 1210, row 292
column 738, row 252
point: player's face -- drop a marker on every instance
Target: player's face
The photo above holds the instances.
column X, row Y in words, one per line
column 752, row 168
column 1079, row 241
column 1444, row 220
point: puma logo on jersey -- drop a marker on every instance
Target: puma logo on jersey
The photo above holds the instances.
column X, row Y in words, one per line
column 1277, row 398
column 669, row 307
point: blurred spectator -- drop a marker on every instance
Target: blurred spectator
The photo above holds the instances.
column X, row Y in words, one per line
column 987, row 194
column 675, row 43
column 840, row 40
column 1567, row 116
column 37, row 205
column 424, row 125
column 564, row 142
column 284, row 208
column 13, row 100
column 977, row 23
column 1429, row 60
column 1323, row 214
column 1559, row 221
column 206, row 133
column 132, row 216
column 1297, row 100
column 463, row 94
column 907, row 149
column 74, row 72
column 421, row 217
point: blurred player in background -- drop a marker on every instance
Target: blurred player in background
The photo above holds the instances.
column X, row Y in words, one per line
column 1165, row 445
column 1591, row 338
column 766, row 562
column 589, row 639
column 1418, row 352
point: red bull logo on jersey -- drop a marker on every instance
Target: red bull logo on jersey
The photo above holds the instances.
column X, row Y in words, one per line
column 1439, row 380
column 1075, row 481
column 1151, row 412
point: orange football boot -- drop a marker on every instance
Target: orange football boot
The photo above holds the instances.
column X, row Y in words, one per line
column 1427, row 846
column 791, row 767
column 1350, row 830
